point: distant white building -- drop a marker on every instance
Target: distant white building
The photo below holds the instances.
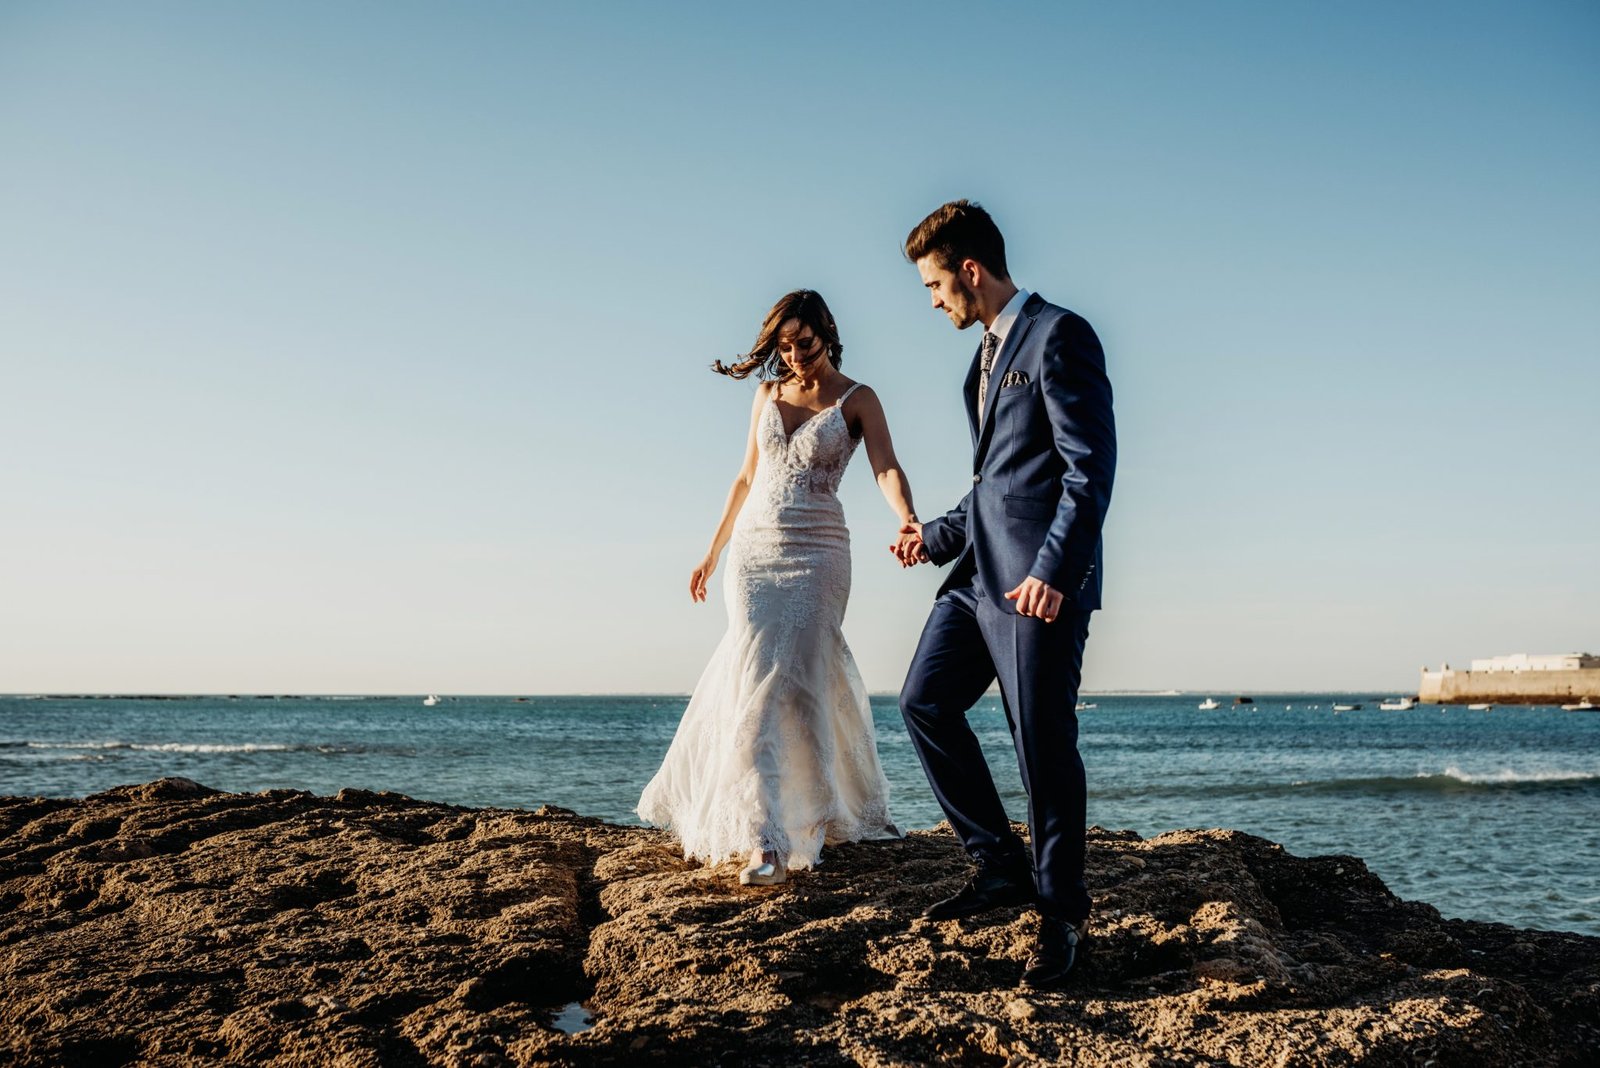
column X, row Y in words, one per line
column 1548, row 662
column 1557, row 679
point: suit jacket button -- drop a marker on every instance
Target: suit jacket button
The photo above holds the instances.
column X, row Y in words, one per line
column 976, row 479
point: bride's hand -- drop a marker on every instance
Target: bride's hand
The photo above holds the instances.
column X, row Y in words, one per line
column 910, row 550
column 698, row 580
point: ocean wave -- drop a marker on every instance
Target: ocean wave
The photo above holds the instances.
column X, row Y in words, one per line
column 199, row 747
column 1507, row 775
column 215, row 747
column 1450, row 781
column 75, row 745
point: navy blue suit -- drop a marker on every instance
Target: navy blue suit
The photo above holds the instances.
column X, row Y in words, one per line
column 1043, row 461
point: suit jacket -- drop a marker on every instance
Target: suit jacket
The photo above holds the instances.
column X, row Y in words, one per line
column 1043, row 460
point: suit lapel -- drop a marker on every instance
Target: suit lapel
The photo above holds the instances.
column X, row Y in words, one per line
column 1002, row 361
column 969, row 392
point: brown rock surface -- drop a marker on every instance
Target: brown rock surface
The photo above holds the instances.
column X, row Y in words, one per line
column 172, row 924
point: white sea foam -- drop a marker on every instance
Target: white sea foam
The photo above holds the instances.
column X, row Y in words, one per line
column 212, row 747
column 172, row 747
column 1509, row 775
column 78, row 745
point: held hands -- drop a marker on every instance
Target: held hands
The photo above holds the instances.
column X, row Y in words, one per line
column 698, row 580
column 1036, row 598
column 909, row 550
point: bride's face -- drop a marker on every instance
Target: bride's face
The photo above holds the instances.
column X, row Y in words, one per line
column 800, row 348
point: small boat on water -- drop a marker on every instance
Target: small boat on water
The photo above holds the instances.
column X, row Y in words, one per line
column 1479, row 707
column 1085, row 706
column 1347, row 708
column 1399, row 704
column 1209, row 703
column 431, row 700
column 1584, row 705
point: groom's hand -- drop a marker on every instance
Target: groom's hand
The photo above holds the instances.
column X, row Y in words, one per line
column 1036, row 598
column 909, row 550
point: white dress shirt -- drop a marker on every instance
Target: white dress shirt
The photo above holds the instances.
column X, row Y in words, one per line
column 1008, row 315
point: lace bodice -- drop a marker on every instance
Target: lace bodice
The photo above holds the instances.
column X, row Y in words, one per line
column 809, row 462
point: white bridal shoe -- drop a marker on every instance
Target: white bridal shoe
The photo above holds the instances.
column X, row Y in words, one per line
column 765, row 870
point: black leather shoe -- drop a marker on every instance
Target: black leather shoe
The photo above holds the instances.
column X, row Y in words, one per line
column 984, row 891
column 1059, row 947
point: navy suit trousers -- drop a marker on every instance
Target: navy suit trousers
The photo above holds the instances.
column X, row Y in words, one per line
column 968, row 642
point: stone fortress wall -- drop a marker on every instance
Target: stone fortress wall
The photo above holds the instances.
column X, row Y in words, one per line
column 1516, row 680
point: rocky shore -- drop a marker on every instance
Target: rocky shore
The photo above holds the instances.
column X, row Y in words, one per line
column 172, row 924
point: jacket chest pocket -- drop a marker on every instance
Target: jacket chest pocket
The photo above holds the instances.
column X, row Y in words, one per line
column 1018, row 392
column 1015, row 408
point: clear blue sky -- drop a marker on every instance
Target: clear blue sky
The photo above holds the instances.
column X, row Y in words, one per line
column 361, row 347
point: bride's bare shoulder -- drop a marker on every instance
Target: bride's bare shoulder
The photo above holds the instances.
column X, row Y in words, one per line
column 763, row 393
column 857, row 393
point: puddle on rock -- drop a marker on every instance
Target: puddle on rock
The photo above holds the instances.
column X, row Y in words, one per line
column 573, row 1018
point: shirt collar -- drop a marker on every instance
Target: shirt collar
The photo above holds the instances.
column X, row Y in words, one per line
column 1008, row 315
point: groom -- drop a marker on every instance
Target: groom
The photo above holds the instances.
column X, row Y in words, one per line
column 1025, row 544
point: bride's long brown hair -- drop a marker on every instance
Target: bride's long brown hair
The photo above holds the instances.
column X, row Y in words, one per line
column 763, row 360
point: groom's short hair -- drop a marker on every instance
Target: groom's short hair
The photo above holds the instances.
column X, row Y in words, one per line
column 959, row 230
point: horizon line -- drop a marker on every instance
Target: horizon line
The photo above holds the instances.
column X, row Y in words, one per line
column 159, row 694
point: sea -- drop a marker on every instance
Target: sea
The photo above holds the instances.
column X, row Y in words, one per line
column 1486, row 815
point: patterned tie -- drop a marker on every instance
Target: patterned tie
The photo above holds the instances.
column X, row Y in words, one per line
column 991, row 347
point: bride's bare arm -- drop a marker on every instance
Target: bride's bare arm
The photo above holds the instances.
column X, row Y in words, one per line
column 736, row 495
column 868, row 415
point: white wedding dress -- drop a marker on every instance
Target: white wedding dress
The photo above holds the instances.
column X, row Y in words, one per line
column 776, row 749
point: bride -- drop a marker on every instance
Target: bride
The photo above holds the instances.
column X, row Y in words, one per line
column 775, row 754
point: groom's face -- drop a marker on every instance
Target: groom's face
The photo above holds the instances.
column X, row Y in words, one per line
column 949, row 291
